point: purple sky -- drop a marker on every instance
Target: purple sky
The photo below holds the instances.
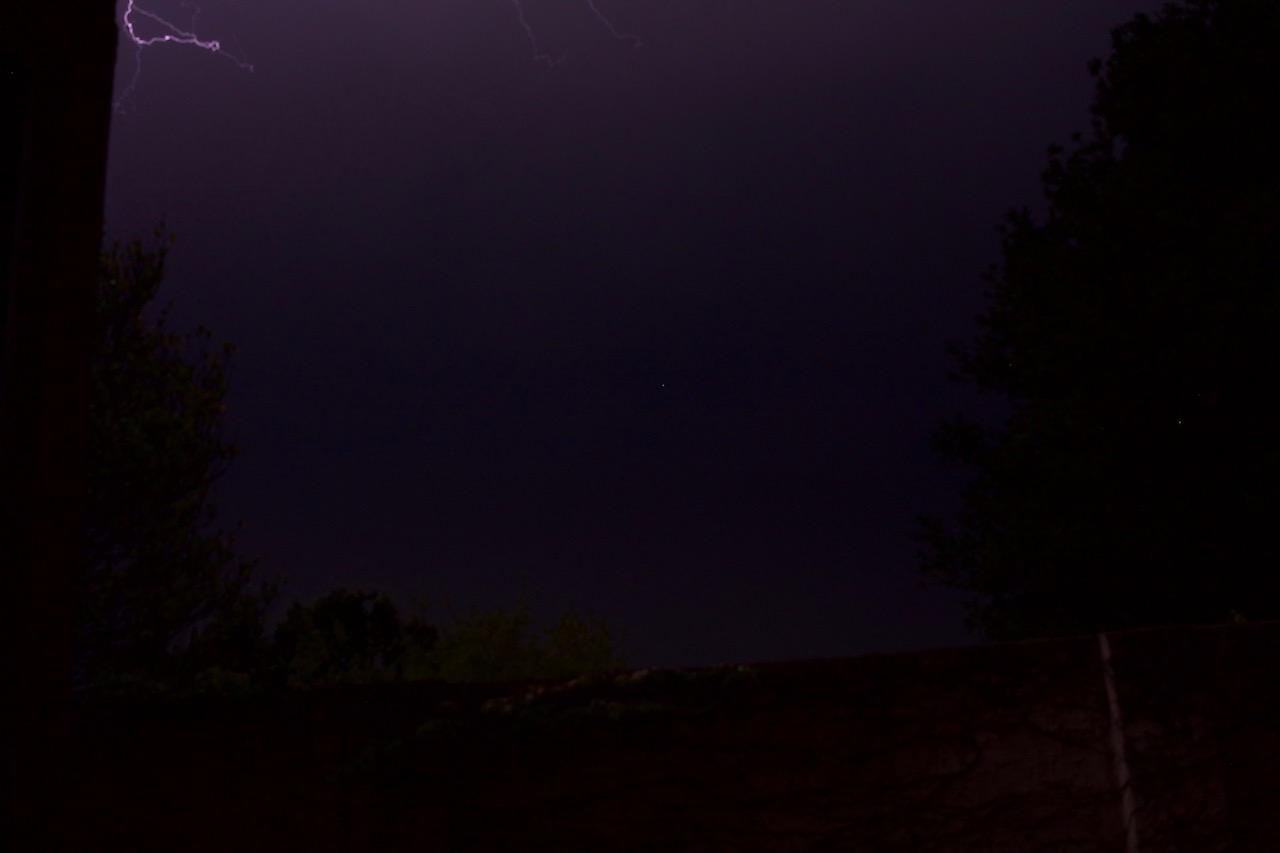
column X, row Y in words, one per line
column 656, row 334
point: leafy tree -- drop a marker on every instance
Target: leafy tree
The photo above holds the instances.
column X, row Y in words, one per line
column 501, row 645
column 358, row 636
column 349, row 636
column 1133, row 335
column 163, row 595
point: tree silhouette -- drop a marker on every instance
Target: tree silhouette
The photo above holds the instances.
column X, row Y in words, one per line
column 349, row 636
column 502, row 645
column 156, row 566
column 1133, row 335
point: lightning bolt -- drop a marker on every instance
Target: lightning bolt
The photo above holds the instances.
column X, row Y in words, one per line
column 614, row 31
column 540, row 55
column 169, row 33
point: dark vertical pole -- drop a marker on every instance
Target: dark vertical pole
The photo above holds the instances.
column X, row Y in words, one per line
column 57, row 62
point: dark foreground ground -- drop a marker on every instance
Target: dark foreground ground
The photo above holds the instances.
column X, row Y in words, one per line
column 1021, row 746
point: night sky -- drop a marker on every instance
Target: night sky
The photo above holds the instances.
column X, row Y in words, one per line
column 654, row 333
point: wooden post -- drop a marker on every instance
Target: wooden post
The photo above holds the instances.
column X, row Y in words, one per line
column 56, row 71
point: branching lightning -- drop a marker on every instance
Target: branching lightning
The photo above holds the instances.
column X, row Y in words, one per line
column 166, row 32
column 169, row 33
column 540, row 55
column 614, row 31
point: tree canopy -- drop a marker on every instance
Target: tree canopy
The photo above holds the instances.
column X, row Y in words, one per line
column 503, row 645
column 1132, row 334
column 353, row 636
column 349, row 636
column 157, row 566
